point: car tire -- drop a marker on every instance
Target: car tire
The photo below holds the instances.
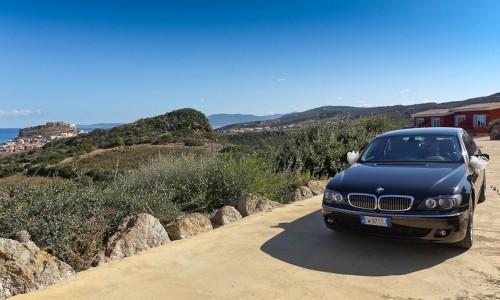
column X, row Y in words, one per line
column 482, row 196
column 467, row 242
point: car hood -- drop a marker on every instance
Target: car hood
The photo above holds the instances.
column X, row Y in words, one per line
column 417, row 180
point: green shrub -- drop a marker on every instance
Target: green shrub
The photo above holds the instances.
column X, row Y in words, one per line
column 320, row 149
column 73, row 219
column 193, row 142
column 493, row 124
column 165, row 139
column 68, row 221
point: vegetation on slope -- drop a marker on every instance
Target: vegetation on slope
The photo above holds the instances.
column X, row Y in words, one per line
column 186, row 126
column 73, row 218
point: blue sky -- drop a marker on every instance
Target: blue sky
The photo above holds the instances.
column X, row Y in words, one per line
column 117, row 61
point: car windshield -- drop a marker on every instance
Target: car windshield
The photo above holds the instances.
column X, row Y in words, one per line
column 413, row 148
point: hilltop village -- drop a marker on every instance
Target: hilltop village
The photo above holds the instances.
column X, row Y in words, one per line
column 37, row 136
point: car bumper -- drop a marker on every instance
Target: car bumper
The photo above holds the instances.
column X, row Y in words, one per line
column 407, row 226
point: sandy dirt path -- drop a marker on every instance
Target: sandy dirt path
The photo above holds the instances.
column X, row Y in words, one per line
column 289, row 253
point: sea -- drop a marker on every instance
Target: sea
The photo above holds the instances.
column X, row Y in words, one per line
column 7, row 134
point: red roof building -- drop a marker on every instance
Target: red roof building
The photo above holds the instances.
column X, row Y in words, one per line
column 474, row 118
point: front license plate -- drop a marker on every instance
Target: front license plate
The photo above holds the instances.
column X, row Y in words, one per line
column 376, row 221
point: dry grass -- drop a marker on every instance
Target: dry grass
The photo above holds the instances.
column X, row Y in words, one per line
column 131, row 157
column 18, row 179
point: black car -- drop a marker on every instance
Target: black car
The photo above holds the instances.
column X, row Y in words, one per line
column 411, row 183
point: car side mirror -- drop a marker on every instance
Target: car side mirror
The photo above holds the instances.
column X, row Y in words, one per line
column 352, row 157
column 479, row 162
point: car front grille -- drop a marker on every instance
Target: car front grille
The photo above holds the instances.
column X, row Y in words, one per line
column 395, row 203
column 365, row 201
column 383, row 203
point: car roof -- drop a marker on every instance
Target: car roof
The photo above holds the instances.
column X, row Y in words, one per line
column 423, row 131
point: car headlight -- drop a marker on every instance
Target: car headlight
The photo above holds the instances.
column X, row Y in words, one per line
column 332, row 196
column 442, row 202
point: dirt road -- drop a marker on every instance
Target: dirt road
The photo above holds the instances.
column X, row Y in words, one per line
column 289, row 253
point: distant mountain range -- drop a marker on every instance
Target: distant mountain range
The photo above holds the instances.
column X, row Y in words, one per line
column 99, row 125
column 400, row 114
column 219, row 120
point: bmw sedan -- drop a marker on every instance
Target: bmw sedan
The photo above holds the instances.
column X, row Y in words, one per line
column 419, row 183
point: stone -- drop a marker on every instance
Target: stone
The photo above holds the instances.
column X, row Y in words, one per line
column 249, row 204
column 187, row 226
column 25, row 268
column 225, row 215
column 495, row 133
column 135, row 234
column 22, row 236
column 301, row 193
column 317, row 187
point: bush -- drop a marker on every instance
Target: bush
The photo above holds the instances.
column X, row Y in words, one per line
column 68, row 221
column 493, row 124
column 193, row 142
column 320, row 149
column 72, row 220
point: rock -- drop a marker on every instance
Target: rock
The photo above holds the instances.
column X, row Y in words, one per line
column 187, row 226
column 22, row 236
column 137, row 233
column 226, row 215
column 317, row 187
column 249, row 204
column 301, row 193
column 25, row 268
column 495, row 133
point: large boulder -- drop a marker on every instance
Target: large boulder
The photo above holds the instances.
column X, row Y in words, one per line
column 317, row 187
column 187, row 226
column 495, row 133
column 225, row 215
column 136, row 233
column 301, row 193
column 249, row 204
column 25, row 268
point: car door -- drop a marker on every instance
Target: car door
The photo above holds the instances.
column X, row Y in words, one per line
column 476, row 177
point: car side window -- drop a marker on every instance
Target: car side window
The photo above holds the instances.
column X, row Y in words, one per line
column 470, row 146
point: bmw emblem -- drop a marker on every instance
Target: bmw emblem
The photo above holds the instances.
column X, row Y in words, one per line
column 379, row 190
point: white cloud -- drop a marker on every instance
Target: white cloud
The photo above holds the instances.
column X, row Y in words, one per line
column 408, row 103
column 404, row 91
column 20, row 113
column 360, row 101
column 428, row 101
column 202, row 100
column 339, row 98
column 282, row 79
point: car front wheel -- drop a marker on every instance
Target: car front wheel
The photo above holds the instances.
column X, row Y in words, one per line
column 467, row 242
column 482, row 197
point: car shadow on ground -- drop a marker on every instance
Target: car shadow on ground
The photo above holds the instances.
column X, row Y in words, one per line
column 307, row 243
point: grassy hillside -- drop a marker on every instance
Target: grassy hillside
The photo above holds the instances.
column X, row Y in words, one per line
column 184, row 126
column 400, row 114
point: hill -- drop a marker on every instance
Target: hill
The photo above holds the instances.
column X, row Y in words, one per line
column 400, row 114
column 184, row 126
column 51, row 128
column 98, row 126
column 219, row 120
